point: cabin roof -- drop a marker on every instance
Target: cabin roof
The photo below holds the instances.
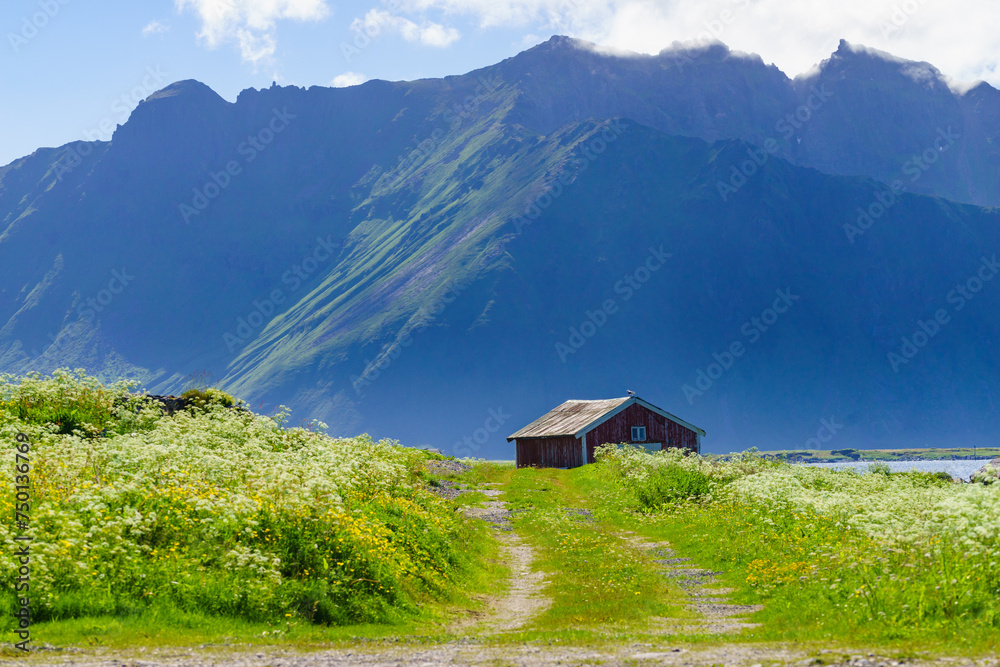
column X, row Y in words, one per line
column 576, row 417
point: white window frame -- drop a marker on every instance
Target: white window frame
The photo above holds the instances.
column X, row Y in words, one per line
column 635, row 429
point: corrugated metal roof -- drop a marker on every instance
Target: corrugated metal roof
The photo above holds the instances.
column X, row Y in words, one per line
column 568, row 418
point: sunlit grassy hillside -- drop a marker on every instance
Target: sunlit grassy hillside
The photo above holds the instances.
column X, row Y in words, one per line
column 214, row 510
column 830, row 554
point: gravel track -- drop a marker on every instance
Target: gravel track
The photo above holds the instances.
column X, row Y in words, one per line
column 473, row 653
column 523, row 600
column 718, row 616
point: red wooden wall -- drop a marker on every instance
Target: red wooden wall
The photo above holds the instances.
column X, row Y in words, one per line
column 658, row 429
column 565, row 452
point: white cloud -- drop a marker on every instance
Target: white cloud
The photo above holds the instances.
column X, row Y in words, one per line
column 528, row 41
column 250, row 23
column 348, row 79
column 154, row 28
column 958, row 37
column 428, row 33
column 493, row 13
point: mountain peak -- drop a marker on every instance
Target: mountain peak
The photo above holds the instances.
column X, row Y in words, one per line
column 557, row 42
column 848, row 51
column 859, row 53
column 184, row 112
column 563, row 45
column 190, row 90
column 858, row 62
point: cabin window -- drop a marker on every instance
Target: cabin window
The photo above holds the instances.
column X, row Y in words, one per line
column 638, row 434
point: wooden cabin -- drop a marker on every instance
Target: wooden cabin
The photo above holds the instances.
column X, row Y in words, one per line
column 566, row 436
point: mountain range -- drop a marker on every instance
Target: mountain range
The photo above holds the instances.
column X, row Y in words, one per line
column 786, row 263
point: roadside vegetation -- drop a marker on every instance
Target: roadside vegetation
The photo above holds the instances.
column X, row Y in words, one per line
column 830, row 554
column 218, row 516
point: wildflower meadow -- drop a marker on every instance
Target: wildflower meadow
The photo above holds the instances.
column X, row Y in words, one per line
column 829, row 553
column 216, row 510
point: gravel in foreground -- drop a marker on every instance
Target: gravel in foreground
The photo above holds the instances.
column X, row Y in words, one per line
column 463, row 653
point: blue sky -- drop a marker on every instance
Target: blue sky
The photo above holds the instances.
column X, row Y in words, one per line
column 70, row 67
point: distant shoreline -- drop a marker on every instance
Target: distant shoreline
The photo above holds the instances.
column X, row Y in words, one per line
column 873, row 455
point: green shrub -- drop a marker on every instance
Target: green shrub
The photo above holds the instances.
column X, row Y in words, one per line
column 988, row 474
column 64, row 402
column 70, row 401
column 926, row 479
column 668, row 484
column 204, row 398
column 667, row 476
column 879, row 468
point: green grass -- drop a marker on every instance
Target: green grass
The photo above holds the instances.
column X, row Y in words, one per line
column 482, row 472
column 169, row 628
column 599, row 581
column 837, row 592
column 828, row 575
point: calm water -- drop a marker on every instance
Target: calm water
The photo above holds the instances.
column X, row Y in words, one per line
column 959, row 469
